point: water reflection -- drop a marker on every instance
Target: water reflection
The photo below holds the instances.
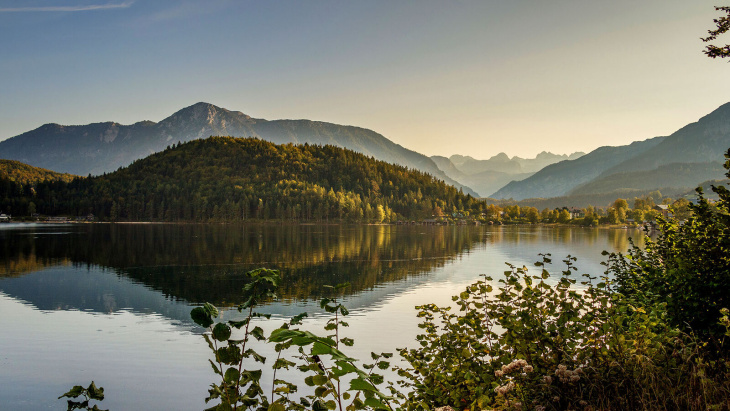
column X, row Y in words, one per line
column 199, row 263
column 115, row 299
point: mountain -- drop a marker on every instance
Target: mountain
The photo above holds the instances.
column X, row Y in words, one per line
column 104, row 147
column 676, row 175
column 544, row 159
column 683, row 159
column 488, row 181
column 487, row 176
column 560, row 178
column 503, row 163
column 235, row 179
column 699, row 142
column 448, row 167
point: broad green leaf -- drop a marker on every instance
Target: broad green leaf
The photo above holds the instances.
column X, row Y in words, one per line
column 359, row 384
column 211, row 310
column 221, row 332
column 73, row 392
column 319, row 379
column 231, row 375
column 201, row 317
column 258, row 333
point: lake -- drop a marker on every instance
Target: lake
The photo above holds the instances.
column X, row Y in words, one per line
column 111, row 302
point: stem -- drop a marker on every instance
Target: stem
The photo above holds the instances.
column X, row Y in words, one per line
column 334, row 393
column 273, row 384
column 243, row 349
column 337, row 346
column 220, row 366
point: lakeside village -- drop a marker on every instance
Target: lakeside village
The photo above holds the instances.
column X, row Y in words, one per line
column 644, row 213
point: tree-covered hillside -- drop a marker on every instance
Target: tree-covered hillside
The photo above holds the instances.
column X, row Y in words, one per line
column 25, row 174
column 234, row 179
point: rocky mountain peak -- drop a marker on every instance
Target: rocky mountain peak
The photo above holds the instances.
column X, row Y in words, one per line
column 500, row 157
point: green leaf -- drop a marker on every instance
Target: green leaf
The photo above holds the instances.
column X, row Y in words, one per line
column 319, row 348
column 201, row 317
column 359, row 384
column 276, row 407
column 239, row 324
column 221, row 332
column 319, row 405
column 258, row 333
column 256, row 356
column 321, row 391
column 375, row 403
column 95, row 393
column 73, row 392
column 211, row 310
column 319, row 379
column 215, row 368
column 231, row 375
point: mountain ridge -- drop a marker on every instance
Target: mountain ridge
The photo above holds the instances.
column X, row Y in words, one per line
column 102, row 147
column 690, row 151
column 487, row 176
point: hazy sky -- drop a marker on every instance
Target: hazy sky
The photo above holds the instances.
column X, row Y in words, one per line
column 438, row 77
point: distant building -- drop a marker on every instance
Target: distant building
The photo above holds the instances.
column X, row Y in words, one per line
column 576, row 212
column 663, row 209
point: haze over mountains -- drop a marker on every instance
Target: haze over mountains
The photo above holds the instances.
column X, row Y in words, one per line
column 684, row 159
column 488, row 176
column 104, row 147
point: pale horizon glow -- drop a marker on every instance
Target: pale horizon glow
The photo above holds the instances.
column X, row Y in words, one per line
column 468, row 78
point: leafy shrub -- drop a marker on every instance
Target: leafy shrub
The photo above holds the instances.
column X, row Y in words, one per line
column 687, row 268
column 92, row 392
column 319, row 358
column 536, row 344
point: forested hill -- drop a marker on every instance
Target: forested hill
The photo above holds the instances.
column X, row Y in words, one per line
column 232, row 179
column 25, row 174
column 104, row 147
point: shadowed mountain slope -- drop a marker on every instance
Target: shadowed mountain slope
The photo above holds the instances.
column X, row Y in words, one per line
column 104, row 147
column 680, row 160
column 560, row 178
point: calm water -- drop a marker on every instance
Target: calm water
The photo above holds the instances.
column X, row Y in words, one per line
column 111, row 303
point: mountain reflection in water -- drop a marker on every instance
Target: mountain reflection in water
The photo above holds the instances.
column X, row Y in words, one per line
column 111, row 302
column 206, row 263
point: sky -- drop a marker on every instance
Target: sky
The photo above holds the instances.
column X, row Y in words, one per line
column 439, row 77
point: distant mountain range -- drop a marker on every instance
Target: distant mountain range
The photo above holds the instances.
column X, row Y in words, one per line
column 487, row 176
column 677, row 162
column 104, row 147
column 684, row 159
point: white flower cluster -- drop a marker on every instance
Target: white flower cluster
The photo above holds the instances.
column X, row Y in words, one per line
column 504, row 389
column 513, row 366
column 567, row 375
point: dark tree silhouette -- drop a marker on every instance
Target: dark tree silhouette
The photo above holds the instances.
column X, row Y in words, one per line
column 723, row 25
